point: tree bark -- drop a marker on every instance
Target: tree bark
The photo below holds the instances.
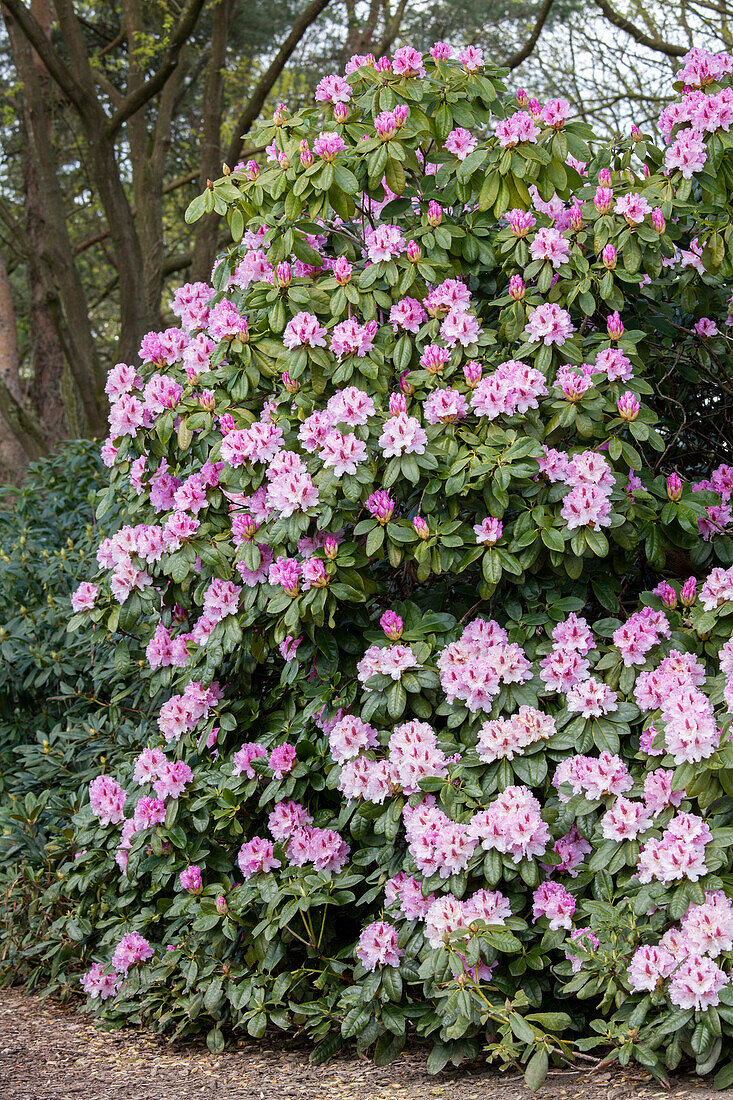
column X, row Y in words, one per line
column 59, row 307
column 17, row 445
column 207, row 227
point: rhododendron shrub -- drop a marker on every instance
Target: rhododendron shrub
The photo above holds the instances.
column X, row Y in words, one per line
column 444, row 640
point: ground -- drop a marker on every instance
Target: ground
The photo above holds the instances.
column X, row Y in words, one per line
column 49, row 1052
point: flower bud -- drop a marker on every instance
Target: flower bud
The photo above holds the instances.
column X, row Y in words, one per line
column 221, row 906
column 280, row 114
column 674, row 487
column 636, row 133
column 306, row 156
column 421, row 528
column 207, row 400
column 342, row 270
column 414, row 252
column 292, row 385
column 283, row 160
column 576, row 219
column 331, row 548
column 397, row 404
column 400, row 112
column 667, row 595
column 392, row 625
column 435, row 213
column 284, row 274
column 605, row 178
column 405, row 386
column 192, row 376
column 628, row 406
column 688, row 592
column 602, row 199
column 517, row 289
column 252, row 169
column 658, row 220
column 609, row 257
column 340, row 112
column 472, row 373
column 615, row 326
column 522, row 97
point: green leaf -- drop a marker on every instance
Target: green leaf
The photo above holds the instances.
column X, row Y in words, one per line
column 536, row 1071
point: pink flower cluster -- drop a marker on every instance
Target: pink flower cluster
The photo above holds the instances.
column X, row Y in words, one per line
column 473, row 669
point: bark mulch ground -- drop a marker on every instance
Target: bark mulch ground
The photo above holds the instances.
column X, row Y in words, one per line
column 49, row 1052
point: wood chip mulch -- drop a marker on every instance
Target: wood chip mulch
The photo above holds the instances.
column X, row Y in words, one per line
column 52, row 1052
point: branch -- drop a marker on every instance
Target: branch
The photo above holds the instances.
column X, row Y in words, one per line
column 140, row 96
column 40, row 42
column 521, row 55
column 623, row 24
column 266, row 82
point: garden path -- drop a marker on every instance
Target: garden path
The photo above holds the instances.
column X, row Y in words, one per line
column 51, row 1052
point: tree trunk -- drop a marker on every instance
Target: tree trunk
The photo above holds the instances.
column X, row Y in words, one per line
column 57, row 293
column 207, row 227
column 13, row 454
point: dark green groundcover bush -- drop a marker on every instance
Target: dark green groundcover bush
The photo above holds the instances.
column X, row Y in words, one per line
column 68, row 706
column 441, row 643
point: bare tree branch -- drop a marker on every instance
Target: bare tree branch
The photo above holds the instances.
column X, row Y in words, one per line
column 38, row 39
column 521, row 55
column 623, row 24
column 266, row 82
column 142, row 94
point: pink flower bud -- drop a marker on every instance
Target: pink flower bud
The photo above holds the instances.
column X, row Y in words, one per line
column 658, row 220
column 280, row 114
column 283, row 160
column 414, row 252
column 602, row 199
column 340, row 112
column 221, row 906
column 636, row 133
column 400, row 112
column 434, row 358
column 609, row 257
column 397, row 404
column 534, row 107
column 688, row 593
column 667, row 595
column 576, row 219
column 517, row 289
column 614, row 326
column 435, row 213
column 472, row 373
column 190, row 879
column 421, row 528
column 331, row 548
column 207, row 400
column 292, row 385
column 392, row 625
column 192, row 376
column 405, row 386
column 226, row 423
column 522, row 97
column 306, row 156
column 381, row 506
column 628, row 406
column 252, row 169
column 284, row 274
column 605, row 178
column 342, row 270
column 674, row 487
